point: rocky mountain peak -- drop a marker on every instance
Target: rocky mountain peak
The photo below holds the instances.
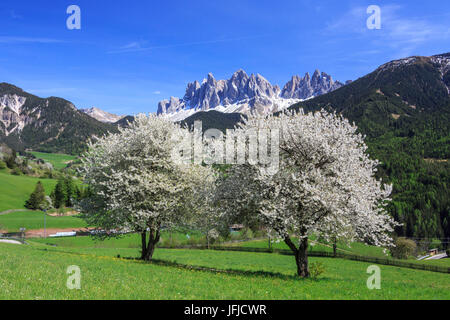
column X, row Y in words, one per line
column 239, row 74
column 308, row 87
column 211, row 80
column 316, row 74
column 244, row 93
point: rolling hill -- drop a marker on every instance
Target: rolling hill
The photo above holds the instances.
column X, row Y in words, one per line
column 44, row 124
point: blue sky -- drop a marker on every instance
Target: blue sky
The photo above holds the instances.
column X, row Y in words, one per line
column 131, row 54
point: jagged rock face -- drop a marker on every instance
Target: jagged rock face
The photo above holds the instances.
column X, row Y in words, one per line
column 443, row 63
column 102, row 116
column 212, row 93
column 170, row 106
column 307, row 87
column 11, row 116
column 244, row 93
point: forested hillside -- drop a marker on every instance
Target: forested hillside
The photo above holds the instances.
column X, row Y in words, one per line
column 47, row 125
column 404, row 109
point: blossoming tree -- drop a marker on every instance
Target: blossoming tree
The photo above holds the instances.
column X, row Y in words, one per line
column 325, row 184
column 136, row 183
column 204, row 213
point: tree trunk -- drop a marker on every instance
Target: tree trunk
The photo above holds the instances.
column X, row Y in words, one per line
column 144, row 244
column 150, row 251
column 335, row 248
column 147, row 252
column 301, row 256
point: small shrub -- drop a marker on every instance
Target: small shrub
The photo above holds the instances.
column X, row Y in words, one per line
column 316, row 269
column 11, row 161
column 403, row 249
column 193, row 241
column 169, row 243
column 260, row 233
column 2, row 165
column 235, row 236
column 213, row 236
column 16, row 171
column 247, row 234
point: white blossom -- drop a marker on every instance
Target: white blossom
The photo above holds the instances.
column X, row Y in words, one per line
column 325, row 186
column 135, row 183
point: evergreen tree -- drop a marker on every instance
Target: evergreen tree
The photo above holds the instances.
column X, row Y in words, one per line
column 70, row 191
column 11, row 160
column 37, row 198
column 59, row 194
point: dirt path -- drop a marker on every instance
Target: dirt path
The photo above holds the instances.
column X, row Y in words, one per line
column 12, row 211
column 39, row 233
column 9, row 241
column 66, row 214
column 54, row 214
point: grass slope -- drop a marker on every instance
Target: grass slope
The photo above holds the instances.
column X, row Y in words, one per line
column 39, row 272
column 15, row 190
column 115, row 245
column 355, row 248
column 127, row 241
column 33, row 220
column 59, row 161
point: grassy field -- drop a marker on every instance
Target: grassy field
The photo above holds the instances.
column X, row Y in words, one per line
column 132, row 241
column 15, row 190
column 355, row 248
column 33, row 220
column 59, row 161
column 126, row 241
column 38, row 271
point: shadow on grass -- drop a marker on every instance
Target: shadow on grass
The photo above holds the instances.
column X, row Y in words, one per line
column 246, row 273
column 174, row 264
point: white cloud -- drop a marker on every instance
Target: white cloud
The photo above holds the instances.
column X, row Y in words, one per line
column 139, row 46
column 14, row 15
column 6, row 39
column 134, row 46
column 399, row 32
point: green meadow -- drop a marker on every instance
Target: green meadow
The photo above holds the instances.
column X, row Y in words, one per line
column 109, row 268
column 34, row 220
column 125, row 241
column 354, row 248
column 38, row 271
column 59, row 161
column 15, row 190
